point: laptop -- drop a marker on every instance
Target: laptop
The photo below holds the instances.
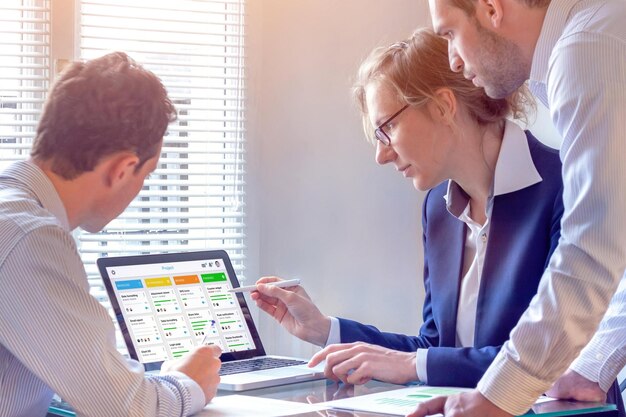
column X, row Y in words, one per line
column 166, row 304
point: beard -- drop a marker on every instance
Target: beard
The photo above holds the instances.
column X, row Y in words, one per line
column 502, row 68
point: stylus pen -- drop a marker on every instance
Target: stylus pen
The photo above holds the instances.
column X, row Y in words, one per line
column 248, row 288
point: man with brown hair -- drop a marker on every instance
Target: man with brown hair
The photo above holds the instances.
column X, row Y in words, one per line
column 99, row 136
column 574, row 54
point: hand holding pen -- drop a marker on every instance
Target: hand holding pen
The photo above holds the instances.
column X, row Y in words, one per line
column 292, row 307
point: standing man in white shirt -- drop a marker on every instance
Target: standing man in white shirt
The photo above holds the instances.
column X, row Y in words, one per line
column 574, row 54
column 98, row 138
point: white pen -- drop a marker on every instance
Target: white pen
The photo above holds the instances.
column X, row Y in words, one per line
column 248, row 288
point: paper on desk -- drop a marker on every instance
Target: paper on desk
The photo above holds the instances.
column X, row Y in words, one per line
column 398, row 402
column 247, row 406
column 402, row 401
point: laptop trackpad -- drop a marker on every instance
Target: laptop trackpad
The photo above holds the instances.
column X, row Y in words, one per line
column 287, row 371
column 276, row 373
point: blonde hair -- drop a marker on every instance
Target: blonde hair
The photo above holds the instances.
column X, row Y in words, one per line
column 417, row 68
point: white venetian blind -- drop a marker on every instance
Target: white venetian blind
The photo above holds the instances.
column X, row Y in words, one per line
column 195, row 199
column 24, row 73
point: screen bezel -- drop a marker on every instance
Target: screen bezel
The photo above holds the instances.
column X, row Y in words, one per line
column 117, row 261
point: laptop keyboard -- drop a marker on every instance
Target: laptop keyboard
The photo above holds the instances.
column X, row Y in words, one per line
column 256, row 364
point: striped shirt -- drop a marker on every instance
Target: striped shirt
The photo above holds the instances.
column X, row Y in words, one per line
column 54, row 336
column 579, row 72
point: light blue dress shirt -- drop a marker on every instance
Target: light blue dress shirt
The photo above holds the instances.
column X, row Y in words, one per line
column 54, row 336
column 579, row 72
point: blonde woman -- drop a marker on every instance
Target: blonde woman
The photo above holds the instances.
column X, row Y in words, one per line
column 491, row 220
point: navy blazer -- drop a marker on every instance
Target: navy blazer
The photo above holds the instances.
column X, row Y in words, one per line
column 524, row 231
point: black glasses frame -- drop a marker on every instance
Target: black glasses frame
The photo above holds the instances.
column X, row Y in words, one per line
column 380, row 133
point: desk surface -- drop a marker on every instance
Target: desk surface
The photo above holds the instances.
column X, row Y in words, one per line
column 321, row 391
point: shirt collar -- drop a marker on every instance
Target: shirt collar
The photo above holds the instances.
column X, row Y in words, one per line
column 551, row 30
column 37, row 182
column 515, row 170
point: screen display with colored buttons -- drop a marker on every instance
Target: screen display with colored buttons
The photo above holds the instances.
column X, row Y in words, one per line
column 170, row 308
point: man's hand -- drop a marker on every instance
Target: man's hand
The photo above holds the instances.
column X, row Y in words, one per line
column 357, row 363
column 467, row 404
column 293, row 309
column 573, row 386
column 202, row 365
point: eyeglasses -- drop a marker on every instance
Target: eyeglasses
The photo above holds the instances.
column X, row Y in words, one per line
column 380, row 133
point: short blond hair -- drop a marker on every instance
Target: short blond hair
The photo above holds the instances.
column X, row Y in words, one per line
column 417, row 68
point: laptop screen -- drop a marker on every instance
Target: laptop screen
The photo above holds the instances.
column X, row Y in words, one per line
column 168, row 304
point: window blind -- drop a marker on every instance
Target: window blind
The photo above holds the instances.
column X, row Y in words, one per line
column 195, row 199
column 24, row 74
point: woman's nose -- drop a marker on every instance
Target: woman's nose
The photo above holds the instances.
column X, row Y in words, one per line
column 384, row 153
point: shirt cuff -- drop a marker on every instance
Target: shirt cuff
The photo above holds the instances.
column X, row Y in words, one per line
column 421, row 359
column 510, row 388
column 334, row 335
column 601, row 361
column 198, row 400
column 604, row 357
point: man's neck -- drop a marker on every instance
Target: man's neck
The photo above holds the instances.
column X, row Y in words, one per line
column 523, row 26
column 75, row 194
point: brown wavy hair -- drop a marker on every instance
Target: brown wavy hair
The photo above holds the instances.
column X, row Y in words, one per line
column 417, row 68
column 100, row 107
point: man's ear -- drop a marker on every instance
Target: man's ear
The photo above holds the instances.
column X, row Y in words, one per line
column 119, row 168
column 490, row 11
column 445, row 106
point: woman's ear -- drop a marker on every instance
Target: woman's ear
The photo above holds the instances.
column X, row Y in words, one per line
column 444, row 106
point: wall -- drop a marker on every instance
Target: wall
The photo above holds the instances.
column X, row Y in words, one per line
column 319, row 207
